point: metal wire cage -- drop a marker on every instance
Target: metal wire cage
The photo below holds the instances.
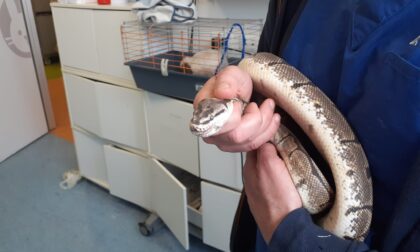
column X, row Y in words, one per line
column 188, row 53
column 199, row 48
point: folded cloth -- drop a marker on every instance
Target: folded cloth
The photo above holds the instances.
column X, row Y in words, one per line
column 145, row 4
column 182, row 3
column 157, row 15
column 165, row 11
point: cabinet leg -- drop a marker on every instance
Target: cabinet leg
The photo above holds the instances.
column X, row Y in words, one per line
column 152, row 223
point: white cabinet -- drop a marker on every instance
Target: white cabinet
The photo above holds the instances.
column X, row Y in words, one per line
column 81, row 100
column 111, row 112
column 169, row 199
column 146, row 182
column 169, row 134
column 122, row 132
column 108, row 41
column 90, row 157
column 76, row 38
column 129, row 176
column 219, row 206
column 121, row 115
column 221, row 167
column 90, row 40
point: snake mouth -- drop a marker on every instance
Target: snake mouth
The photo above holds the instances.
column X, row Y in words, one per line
column 202, row 130
column 197, row 129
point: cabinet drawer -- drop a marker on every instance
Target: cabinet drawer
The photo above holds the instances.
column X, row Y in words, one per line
column 218, row 207
column 112, row 112
column 146, row 182
column 90, row 40
column 121, row 115
column 76, row 38
column 169, row 134
column 90, row 157
column 220, row 167
column 129, row 176
column 109, row 45
column 81, row 99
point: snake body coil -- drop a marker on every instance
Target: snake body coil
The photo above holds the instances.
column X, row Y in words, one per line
column 351, row 211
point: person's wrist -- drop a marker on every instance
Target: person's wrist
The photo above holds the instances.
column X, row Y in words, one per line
column 275, row 218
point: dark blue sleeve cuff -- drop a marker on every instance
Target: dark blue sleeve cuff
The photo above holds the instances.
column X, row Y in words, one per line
column 297, row 232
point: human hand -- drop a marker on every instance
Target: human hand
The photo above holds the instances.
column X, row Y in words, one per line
column 269, row 189
column 244, row 131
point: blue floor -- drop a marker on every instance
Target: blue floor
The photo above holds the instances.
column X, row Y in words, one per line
column 36, row 215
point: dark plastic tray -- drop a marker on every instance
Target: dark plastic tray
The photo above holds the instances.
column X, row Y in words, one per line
column 177, row 84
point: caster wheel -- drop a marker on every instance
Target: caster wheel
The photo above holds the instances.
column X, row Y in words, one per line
column 144, row 230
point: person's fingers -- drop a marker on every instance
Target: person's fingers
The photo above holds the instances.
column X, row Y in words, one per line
column 266, row 135
column 256, row 127
column 234, row 119
column 254, row 121
column 251, row 123
column 233, row 82
column 225, row 135
column 266, row 154
column 254, row 124
column 232, row 134
column 205, row 92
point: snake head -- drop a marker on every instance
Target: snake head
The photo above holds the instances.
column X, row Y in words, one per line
column 210, row 116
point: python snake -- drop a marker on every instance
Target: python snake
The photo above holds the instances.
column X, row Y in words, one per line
column 349, row 212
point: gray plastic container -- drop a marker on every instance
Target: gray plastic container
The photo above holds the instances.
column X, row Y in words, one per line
column 183, row 86
column 179, row 85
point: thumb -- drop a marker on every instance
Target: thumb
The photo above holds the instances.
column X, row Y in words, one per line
column 250, row 162
column 267, row 153
column 251, row 157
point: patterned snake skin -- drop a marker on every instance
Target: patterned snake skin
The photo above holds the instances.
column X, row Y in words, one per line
column 350, row 214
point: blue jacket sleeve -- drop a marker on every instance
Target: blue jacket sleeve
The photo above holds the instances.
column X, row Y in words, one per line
column 297, row 232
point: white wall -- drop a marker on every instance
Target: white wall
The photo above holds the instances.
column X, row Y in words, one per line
column 232, row 8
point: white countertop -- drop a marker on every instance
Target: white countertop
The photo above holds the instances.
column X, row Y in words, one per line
column 94, row 6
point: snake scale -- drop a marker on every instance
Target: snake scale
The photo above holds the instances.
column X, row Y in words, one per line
column 349, row 211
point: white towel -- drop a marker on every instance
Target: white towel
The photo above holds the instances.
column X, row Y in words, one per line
column 164, row 11
column 145, row 4
column 157, row 15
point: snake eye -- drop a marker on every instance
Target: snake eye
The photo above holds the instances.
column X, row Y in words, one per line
column 211, row 117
